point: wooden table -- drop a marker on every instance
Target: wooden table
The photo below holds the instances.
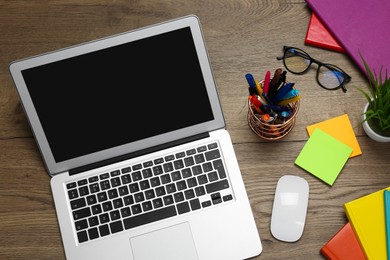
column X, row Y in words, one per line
column 242, row 37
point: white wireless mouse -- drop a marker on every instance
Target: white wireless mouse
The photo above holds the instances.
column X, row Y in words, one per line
column 289, row 209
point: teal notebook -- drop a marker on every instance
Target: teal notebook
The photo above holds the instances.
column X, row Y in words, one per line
column 387, row 219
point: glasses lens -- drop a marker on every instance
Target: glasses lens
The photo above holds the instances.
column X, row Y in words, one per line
column 330, row 77
column 296, row 61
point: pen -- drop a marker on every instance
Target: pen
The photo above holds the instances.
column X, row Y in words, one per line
column 282, row 79
column 273, row 87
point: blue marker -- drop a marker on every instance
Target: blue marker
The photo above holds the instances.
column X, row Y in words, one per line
column 251, row 83
column 292, row 93
column 283, row 90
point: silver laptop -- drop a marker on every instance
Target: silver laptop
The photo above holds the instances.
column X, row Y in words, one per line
column 132, row 133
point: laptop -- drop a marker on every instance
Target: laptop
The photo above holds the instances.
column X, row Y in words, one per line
column 131, row 131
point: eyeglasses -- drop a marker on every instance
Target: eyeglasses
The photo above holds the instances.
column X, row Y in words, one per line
column 328, row 76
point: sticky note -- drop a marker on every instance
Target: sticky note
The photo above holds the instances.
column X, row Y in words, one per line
column 323, row 156
column 340, row 128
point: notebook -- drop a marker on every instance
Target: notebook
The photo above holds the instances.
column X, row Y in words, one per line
column 317, row 35
column 358, row 28
column 131, row 131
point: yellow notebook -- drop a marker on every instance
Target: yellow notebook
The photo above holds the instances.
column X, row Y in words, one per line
column 367, row 217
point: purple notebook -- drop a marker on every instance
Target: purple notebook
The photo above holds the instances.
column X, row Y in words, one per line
column 359, row 26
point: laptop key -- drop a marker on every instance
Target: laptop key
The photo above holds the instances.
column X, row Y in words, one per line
column 82, row 236
column 94, row 187
column 195, row 204
column 104, row 218
column 217, row 186
column 73, row 194
column 213, row 154
column 81, row 224
column 183, row 207
column 93, row 233
column 178, row 164
column 218, row 165
column 78, row 203
column 207, row 167
column 71, row 185
column 104, row 230
column 212, row 146
column 149, row 217
column 81, row 213
column 116, row 226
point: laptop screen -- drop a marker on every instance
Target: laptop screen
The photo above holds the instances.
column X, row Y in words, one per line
column 118, row 95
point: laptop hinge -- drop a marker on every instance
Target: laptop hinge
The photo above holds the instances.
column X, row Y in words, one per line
column 137, row 153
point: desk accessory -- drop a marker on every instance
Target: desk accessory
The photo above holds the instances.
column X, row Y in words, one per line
column 358, row 27
column 343, row 246
column 340, row 128
column 317, row 35
column 289, row 208
column 328, row 76
column 367, row 217
column 272, row 105
column 323, row 156
column 376, row 116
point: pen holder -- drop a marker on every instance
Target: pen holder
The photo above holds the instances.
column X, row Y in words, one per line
column 272, row 130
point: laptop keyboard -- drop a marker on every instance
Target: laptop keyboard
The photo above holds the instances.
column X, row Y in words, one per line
column 157, row 189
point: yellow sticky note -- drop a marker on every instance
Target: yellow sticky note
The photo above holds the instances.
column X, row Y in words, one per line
column 340, row 128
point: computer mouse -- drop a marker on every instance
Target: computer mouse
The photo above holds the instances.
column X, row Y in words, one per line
column 289, row 208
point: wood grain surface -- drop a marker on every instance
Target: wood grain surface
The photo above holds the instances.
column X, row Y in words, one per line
column 242, row 36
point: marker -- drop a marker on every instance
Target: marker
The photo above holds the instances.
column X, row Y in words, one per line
column 259, row 89
column 266, row 81
column 265, row 96
column 274, row 84
column 256, row 104
column 287, row 101
column 251, row 83
column 283, row 90
column 292, row 93
column 282, row 79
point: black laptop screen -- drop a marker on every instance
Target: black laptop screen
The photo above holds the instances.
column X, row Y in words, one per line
column 120, row 94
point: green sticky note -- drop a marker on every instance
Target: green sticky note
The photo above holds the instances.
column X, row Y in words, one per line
column 323, row 156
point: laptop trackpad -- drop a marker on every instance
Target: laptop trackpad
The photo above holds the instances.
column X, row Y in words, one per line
column 172, row 243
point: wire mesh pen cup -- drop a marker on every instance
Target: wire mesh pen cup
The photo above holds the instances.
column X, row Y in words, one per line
column 274, row 130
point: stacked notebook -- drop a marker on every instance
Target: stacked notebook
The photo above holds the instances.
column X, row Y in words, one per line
column 365, row 236
column 360, row 29
column 318, row 35
column 343, row 245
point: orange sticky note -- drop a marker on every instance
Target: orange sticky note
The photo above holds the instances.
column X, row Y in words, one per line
column 340, row 128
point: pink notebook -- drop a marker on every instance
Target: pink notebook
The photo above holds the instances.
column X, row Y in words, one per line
column 359, row 26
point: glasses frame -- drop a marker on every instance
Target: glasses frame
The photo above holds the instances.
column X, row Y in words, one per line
column 346, row 77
